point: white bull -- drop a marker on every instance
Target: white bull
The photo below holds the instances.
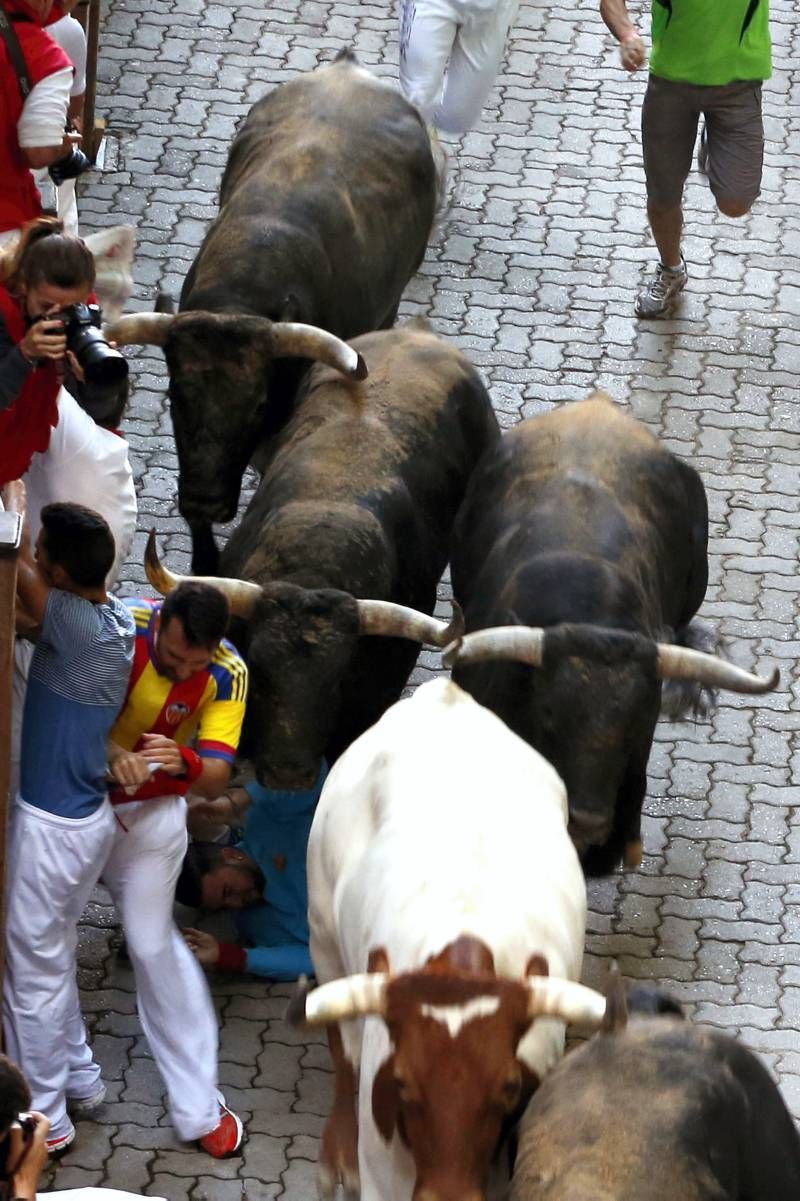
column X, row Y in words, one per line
column 440, row 853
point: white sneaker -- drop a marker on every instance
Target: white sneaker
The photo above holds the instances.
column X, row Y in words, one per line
column 83, row 1105
column 659, row 296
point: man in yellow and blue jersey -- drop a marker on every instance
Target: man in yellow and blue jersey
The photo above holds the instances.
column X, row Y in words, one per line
column 181, row 719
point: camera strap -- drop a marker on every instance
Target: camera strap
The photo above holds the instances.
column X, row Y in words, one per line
column 9, row 35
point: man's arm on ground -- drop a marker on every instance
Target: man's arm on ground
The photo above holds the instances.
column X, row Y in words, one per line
column 284, row 962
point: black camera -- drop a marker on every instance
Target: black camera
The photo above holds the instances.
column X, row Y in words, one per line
column 73, row 164
column 102, row 365
column 27, row 1123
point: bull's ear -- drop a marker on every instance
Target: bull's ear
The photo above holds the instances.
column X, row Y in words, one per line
column 385, row 1099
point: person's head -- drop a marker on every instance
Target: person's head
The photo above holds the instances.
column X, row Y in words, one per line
column 50, row 270
column 15, row 1096
column 191, row 622
column 215, row 877
column 75, row 548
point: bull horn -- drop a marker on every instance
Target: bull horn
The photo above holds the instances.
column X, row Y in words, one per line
column 141, row 329
column 681, row 663
column 398, row 621
column 564, row 999
column 242, row 594
column 350, row 997
column 290, row 339
column 522, row 643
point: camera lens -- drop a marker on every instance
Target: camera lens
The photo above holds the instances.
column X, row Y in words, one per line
column 102, row 365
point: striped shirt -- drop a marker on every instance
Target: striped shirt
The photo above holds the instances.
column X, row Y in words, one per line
column 77, row 682
column 208, row 707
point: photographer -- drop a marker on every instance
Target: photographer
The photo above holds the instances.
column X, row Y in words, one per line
column 54, row 423
column 23, row 1143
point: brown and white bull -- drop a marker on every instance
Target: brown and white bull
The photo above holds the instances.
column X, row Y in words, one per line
column 326, row 206
column 443, row 888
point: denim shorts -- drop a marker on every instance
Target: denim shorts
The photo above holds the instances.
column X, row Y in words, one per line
column 735, row 132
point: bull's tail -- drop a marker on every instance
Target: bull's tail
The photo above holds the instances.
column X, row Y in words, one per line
column 682, row 697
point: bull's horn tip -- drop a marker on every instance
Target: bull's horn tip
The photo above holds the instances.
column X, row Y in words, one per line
column 360, row 369
column 151, row 551
column 774, row 679
column 450, row 652
column 295, row 1013
column 456, row 624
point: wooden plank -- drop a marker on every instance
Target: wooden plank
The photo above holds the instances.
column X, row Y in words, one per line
column 10, row 528
column 88, row 13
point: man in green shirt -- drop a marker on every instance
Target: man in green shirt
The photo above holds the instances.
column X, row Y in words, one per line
column 709, row 58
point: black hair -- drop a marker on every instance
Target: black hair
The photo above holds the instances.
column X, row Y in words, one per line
column 203, row 611
column 80, row 541
column 204, row 857
column 15, row 1096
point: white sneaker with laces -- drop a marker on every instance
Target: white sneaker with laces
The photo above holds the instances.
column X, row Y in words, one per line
column 659, row 296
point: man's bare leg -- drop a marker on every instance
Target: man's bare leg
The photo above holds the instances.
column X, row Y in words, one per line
column 667, row 226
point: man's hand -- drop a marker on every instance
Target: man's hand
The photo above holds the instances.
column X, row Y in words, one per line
column 28, row 1158
column 204, row 947
column 14, row 497
column 129, row 769
column 156, row 748
column 632, row 50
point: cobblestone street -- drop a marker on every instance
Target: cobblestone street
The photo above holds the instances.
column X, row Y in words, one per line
column 533, row 272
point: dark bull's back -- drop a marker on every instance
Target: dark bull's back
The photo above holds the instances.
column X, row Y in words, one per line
column 326, row 207
column 581, row 517
column 658, row 1111
column 358, row 498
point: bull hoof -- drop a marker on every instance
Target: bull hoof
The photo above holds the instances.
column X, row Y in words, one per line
column 328, row 1179
column 351, row 1185
column 633, row 854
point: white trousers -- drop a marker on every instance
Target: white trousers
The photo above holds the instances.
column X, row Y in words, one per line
column 89, row 466
column 53, row 865
column 450, row 53
column 174, row 1003
column 94, row 1193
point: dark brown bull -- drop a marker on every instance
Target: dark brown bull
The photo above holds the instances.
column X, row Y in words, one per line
column 658, row 1110
column 582, row 527
column 326, row 206
column 352, row 518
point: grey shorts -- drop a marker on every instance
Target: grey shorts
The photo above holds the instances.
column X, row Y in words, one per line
column 735, row 132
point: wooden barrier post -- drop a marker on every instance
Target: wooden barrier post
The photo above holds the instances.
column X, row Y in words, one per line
column 88, row 13
column 10, row 531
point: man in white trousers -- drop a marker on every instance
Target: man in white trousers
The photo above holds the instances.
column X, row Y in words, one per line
column 61, row 825
column 187, row 685
column 450, row 53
